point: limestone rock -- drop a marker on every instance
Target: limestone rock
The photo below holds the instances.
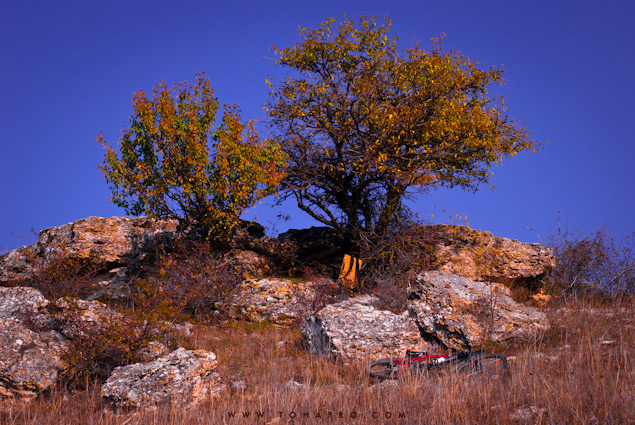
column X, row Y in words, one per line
column 74, row 317
column 239, row 385
column 177, row 329
column 460, row 313
column 250, row 264
column 114, row 284
column 78, row 319
column 30, row 362
column 355, row 329
column 21, row 302
column 17, row 265
column 183, row 377
column 293, row 385
column 530, row 414
column 114, row 241
column 153, row 351
column 276, row 300
column 480, row 256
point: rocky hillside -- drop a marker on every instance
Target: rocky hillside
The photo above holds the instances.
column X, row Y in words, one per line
column 462, row 303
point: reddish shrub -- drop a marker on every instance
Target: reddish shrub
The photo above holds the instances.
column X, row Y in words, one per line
column 64, row 275
column 192, row 281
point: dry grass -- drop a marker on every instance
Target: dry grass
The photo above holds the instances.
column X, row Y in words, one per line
column 582, row 371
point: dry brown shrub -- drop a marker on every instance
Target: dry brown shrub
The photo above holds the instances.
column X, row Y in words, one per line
column 65, row 275
column 484, row 311
column 591, row 265
column 96, row 352
column 314, row 290
column 96, row 347
column 321, row 292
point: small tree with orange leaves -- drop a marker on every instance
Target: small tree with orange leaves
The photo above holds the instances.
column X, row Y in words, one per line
column 175, row 162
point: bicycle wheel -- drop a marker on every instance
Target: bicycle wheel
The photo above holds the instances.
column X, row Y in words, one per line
column 391, row 368
column 487, row 364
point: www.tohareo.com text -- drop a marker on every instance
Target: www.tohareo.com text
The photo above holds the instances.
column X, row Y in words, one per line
column 317, row 415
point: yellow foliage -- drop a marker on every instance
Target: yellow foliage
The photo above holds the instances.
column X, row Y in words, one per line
column 174, row 162
column 363, row 121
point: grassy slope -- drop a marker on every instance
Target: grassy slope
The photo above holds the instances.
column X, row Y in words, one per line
column 582, row 371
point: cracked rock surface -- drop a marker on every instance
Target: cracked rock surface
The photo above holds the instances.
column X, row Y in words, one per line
column 277, row 300
column 479, row 255
column 183, row 377
column 113, row 240
column 30, row 361
column 461, row 313
column 356, row 329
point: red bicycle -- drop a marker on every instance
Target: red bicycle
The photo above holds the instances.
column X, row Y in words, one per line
column 463, row 362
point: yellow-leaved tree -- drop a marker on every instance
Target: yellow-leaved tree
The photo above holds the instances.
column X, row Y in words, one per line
column 176, row 161
column 366, row 123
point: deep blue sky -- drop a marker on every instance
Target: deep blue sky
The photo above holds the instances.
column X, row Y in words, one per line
column 69, row 69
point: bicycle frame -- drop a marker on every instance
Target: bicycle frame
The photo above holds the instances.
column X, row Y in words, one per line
column 430, row 362
column 465, row 362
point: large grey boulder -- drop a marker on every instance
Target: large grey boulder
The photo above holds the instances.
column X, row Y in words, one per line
column 356, row 329
column 183, row 378
column 462, row 313
column 30, row 362
column 21, row 302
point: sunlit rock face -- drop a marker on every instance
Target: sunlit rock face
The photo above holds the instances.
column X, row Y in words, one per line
column 113, row 241
column 282, row 301
column 480, row 256
column 461, row 313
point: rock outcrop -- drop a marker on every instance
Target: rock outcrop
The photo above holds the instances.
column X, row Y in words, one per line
column 37, row 334
column 21, row 303
column 480, row 256
column 153, row 351
column 454, row 307
column 250, row 264
column 281, row 301
column 75, row 318
column 114, row 241
column 119, row 248
column 355, row 329
column 183, row 377
column 30, row 361
column 459, row 313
